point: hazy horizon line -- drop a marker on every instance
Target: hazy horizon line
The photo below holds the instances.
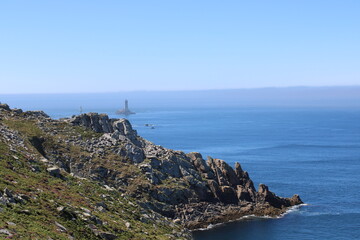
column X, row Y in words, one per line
column 188, row 90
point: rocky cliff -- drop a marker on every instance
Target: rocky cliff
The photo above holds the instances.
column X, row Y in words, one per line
column 180, row 187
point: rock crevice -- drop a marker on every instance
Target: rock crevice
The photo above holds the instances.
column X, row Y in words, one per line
column 193, row 191
column 196, row 180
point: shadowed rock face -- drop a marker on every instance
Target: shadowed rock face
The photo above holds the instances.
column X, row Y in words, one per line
column 184, row 187
column 212, row 181
column 44, row 159
column 4, row 106
column 99, row 123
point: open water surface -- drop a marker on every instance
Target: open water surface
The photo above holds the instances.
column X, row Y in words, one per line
column 313, row 152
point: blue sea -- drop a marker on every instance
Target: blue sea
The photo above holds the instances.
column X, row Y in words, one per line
column 313, row 152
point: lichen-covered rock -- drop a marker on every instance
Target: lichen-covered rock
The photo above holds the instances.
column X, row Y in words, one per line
column 99, row 123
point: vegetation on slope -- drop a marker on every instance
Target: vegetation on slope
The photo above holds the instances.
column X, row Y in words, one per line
column 66, row 207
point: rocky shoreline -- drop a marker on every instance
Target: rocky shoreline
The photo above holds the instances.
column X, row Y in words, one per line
column 184, row 188
column 251, row 216
column 218, row 192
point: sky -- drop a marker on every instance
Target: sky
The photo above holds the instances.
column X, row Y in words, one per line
column 108, row 46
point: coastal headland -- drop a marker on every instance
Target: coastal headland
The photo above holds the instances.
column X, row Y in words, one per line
column 93, row 177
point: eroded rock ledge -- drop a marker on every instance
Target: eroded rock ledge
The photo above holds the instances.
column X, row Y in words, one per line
column 185, row 187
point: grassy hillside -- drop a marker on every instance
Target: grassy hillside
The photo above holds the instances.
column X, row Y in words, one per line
column 40, row 204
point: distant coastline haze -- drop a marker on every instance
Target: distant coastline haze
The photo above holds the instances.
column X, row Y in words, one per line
column 333, row 97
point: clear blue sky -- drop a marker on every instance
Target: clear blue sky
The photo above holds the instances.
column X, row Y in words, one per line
column 100, row 46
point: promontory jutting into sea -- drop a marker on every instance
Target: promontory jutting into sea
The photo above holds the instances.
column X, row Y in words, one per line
column 180, row 190
column 196, row 120
column 110, row 154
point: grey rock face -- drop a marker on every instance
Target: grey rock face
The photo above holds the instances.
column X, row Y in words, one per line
column 170, row 168
column 17, row 110
column 101, row 234
column 115, row 132
column 243, row 194
column 124, row 127
column 102, row 124
column 228, row 195
column 8, row 197
column 120, row 129
column 225, row 174
column 55, row 172
column 5, row 107
column 175, row 180
column 5, row 232
column 201, row 166
column 60, row 227
column 172, row 195
column 99, row 123
column 36, row 115
column 295, row 200
column 133, row 152
column 265, row 195
column 223, row 183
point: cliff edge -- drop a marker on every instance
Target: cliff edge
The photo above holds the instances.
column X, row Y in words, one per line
column 184, row 191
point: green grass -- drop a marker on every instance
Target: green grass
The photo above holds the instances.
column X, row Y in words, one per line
column 47, row 193
column 86, row 133
column 27, row 128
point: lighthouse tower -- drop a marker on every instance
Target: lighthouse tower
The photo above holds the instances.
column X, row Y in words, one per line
column 126, row 106
column 126, row 111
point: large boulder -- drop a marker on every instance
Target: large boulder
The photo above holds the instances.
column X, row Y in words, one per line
column 55, row 172
column 265, row 195
column 228, row 195
column 4, row 106
column 243, row 194
column 216, row 168
column 97, row 122
column 134, row 153
column 200, row 165
column 245, row 190
column 123, row 127
column 36, row 115
column 225, row 174
column 295, row 200
column 215, row 189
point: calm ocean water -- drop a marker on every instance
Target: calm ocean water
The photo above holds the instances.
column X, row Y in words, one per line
column 312, row 152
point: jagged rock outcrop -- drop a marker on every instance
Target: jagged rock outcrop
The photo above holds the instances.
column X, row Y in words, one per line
column 99, row 123
column 4, row 106
column 35, row 115
column 44, row 196
column 122, row 127
column 182, row 186
column 8, row 197
column 212, row 181
column 266, row 196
